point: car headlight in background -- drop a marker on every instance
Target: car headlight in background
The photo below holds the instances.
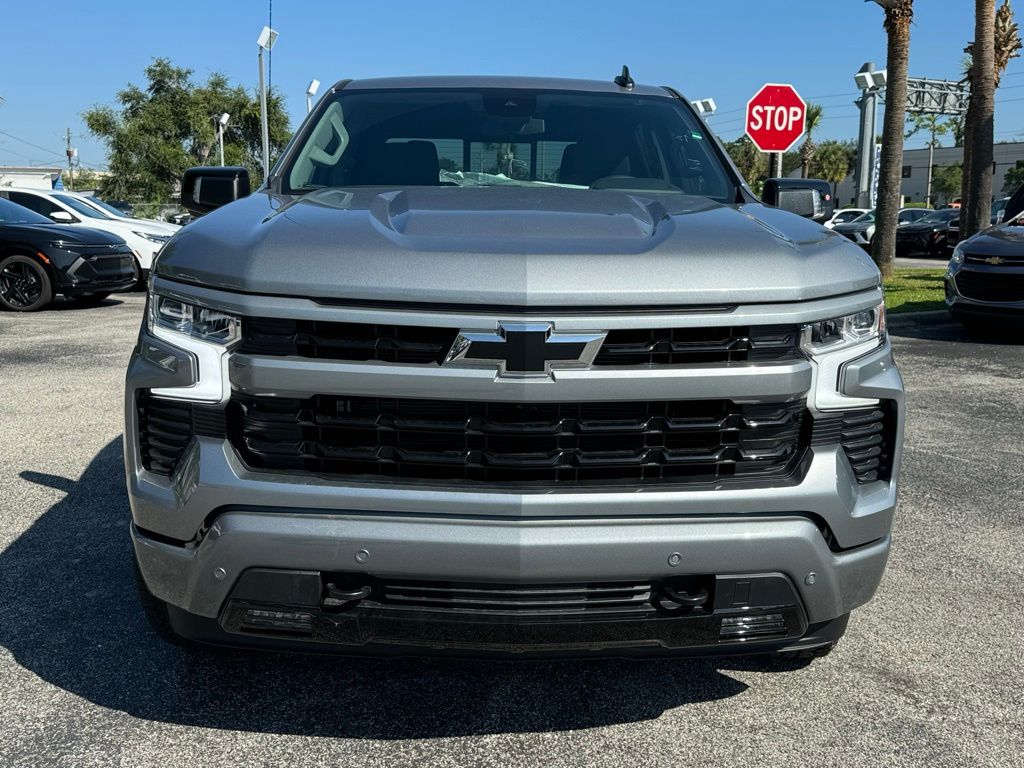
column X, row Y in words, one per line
column 158, row 239
column 832, row 343
column 206, row 334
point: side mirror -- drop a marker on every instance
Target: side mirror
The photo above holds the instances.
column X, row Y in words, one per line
column 810, row 198
column 63, row 217
column 207, row 188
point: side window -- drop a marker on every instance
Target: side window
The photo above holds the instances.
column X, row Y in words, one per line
column 34, row 202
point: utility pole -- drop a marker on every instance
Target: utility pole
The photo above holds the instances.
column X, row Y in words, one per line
column 71, row 155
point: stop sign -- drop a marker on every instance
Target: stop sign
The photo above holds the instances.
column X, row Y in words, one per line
column 775, row 118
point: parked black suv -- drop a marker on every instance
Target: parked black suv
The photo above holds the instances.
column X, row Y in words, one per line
column 39, row 259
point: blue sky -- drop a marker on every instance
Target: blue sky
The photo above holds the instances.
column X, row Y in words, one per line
column 60, row 57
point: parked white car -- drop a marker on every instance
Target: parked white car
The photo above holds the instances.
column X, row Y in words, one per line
column 145, row 238
column 844, row 216
column 116, row 213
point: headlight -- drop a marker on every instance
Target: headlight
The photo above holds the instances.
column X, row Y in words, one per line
column 206, row 334
column 831, row 344
column 191, row 320
column 158, row 239
column 958, row 255
column 839, row 333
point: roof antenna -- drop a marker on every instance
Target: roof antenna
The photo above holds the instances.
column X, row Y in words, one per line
column 624, row 80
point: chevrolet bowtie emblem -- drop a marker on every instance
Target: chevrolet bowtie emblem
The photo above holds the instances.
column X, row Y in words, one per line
column 995, row 261
column 525, row 349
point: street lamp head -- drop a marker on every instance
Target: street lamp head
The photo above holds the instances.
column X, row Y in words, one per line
column 267, row 38
column 708, row 106
column 223, row 120
column 878, row 79
column 314, row 86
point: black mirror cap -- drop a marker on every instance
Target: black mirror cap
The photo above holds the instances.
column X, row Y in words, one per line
column 810, row 198
column 207, row 188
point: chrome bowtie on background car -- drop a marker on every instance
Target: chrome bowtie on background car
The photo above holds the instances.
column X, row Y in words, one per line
column 518, row 366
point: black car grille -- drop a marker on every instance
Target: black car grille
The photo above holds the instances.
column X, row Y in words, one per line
column 404, row 344
column 518, row 600
column 867, row 435
column 674, row 346
column 167, row 426
column 1004, row 259
column 518, row 443
column 990, row 286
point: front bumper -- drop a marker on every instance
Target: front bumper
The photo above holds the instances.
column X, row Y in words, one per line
column 964, row 307
column 199, row 532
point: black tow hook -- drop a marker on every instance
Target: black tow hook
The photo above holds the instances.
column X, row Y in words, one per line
column 673, row 599
column 336, row 597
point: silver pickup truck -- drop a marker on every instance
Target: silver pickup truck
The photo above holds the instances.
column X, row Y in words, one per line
column 509, row 366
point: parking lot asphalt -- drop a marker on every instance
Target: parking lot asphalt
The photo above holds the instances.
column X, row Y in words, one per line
column 929, row 673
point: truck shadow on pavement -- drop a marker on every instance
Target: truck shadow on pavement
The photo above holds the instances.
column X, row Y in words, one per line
column 71, row 617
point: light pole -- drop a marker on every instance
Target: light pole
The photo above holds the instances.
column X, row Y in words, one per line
column 265, row 41
column 314, row 86
column 222, row 123
column 871, row 84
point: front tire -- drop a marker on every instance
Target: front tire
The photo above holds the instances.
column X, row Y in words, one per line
column 24, row 284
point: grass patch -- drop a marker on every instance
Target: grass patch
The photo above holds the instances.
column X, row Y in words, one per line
column 915, row 290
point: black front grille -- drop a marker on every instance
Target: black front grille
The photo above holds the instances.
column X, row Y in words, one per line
column 867, row 435
column 518, row 600
column 1008, row 259
column 167, row 426
column 407, row 344
column 542, row 443
column 675, row 346
column 346, row 341
column 990, row 286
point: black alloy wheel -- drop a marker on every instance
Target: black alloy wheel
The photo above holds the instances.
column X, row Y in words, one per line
column 24, row 284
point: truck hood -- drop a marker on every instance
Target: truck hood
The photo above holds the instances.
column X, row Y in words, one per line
column 514, row 246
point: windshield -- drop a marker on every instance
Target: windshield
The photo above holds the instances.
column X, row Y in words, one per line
column 866, row 218
column 488, row 137
column 939, row 217
column 83, row 208
column 95, row 202
column 12, row 213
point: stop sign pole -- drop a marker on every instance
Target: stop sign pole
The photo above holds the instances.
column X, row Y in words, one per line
column 776, row 119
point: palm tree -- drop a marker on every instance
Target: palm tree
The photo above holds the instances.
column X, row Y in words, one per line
column 981, row 119
column 898, row 16
column 999, row 27
column 832, row 162
column 814, row 113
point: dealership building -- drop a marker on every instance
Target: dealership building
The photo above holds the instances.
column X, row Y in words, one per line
column 915, row 171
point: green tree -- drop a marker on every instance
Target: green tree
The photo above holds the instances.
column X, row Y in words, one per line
column 832, row 161
column 956, row 128
column 946, row 181
column 751, row 162
column 1014, row 179
column 807, row 149
column 156, row 132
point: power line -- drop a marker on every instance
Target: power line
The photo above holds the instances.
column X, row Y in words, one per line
column 29, row 143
